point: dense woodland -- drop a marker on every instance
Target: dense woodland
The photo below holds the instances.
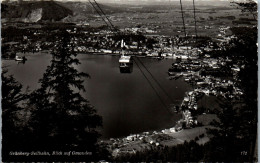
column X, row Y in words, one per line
column 59, row 117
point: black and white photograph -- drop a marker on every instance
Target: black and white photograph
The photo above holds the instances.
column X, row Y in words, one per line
column 129, row 80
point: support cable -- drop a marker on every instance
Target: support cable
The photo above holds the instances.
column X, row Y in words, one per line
column 183, row 23
column 164, row 91
column 98, row 13
column 149, row 82
column 105, row 15
column 194, row 12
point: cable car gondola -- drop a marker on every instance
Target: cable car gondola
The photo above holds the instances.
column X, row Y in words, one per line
column 126, row 64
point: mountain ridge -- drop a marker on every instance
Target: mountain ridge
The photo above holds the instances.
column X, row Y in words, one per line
column 35, row 11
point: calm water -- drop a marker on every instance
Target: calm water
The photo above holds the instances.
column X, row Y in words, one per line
column 126, row 102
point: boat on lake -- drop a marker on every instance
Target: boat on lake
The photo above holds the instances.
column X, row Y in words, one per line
column 20, row 59
column 175, row 69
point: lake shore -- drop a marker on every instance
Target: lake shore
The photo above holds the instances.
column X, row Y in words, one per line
column 146, row 140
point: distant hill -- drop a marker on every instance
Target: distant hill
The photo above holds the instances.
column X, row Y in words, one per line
column 35, row 11
column 86, row 7
column 84, row 11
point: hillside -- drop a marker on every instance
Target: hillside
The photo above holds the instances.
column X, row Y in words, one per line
column 84, row 11
column 35, row 11
column 86, row 7
column 53, row 11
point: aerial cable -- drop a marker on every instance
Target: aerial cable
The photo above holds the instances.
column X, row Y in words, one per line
column 105, row 15
column 149, row 82
column 164, row 91
column 184, row 29
column 183, row 22
column 99, row 13
column 194, row 12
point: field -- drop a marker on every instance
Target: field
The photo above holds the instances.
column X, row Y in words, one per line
column 166, row 19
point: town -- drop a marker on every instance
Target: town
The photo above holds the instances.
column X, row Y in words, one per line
column 209, row 74
column 205, row 57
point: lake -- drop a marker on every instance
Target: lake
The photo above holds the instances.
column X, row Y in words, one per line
column 127, row 102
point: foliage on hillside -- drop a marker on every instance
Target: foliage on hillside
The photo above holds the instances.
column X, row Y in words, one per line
column 60, row 119
column 50, row 10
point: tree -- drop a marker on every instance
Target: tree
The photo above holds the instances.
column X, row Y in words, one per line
column 237, row 129
column 222, row 146
column 11, row 92
column 62, row 118
column 248, row 6
column 12, row 131
column 249, row 85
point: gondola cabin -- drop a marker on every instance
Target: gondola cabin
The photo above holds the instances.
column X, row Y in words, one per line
column 126, row 64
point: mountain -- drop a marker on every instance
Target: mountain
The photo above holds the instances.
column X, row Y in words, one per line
column 87, row 8
column 84, row 11
column 68, row 11
column 35, row 11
